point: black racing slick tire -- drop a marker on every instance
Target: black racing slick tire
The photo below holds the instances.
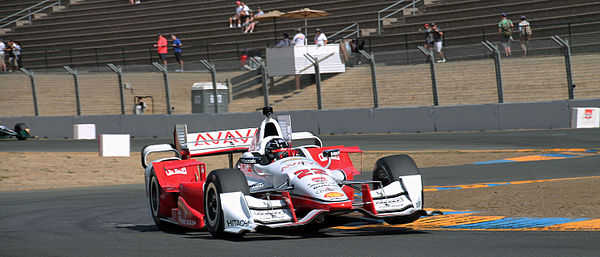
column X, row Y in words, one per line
column 21, row 129
column 389, row 169
column 154, row 193
column 221, row 181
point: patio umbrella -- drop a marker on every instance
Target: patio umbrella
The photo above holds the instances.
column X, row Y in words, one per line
column 271, row 15
column 305, row 13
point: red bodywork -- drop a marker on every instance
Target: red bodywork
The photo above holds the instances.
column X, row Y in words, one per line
column 181, row 180
column 182, row 188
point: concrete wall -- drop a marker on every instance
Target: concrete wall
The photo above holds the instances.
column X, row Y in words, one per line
column 538, row 115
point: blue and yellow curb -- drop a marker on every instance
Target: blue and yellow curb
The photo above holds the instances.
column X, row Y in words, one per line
column 465, row 220
column 482, row 185
column 558, row 155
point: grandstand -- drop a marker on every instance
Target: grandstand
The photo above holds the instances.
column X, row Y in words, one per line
column 91, row 33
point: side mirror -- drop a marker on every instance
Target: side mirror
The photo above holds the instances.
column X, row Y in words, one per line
column 249, row 158
column 331, row 153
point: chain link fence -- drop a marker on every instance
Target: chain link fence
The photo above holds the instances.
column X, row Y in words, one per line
column 403, row 79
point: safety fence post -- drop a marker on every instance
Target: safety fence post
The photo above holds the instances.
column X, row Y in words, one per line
column 166, row 79
column 497, row 55
column 315, row 63
column 265, row 78
column 33, row 90
column 119, row 73
column 429, row 53
column 371, row 59
column 213, row 75
column 567, row 52
column 76, row 82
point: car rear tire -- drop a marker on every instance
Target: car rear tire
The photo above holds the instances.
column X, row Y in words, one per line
column 21, row 129
column 221, row 181
column 387, row 170
column 154, row 193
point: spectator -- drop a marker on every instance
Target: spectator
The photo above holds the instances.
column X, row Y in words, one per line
column 356, row 45
column 162, row 49
column 245, row 14
column 320, row 38
column 135, row 2
column 426, row 31
column 10, row 53
column 2, row 56
column 299, row 38
column 438, row 37
column 236, row 17
column 177, row 50
column 525, row 31
column 140, row 106
column 285, row 41
column 505, row 27
column 16, row 46
column 251, row 22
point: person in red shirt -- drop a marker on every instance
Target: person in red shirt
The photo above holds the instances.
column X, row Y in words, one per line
column 162, row 49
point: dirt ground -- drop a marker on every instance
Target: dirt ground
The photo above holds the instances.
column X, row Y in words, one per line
column 570, row 198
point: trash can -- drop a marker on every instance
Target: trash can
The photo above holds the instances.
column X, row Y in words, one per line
column 203, row 100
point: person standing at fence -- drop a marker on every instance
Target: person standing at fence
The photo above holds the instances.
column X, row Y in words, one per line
column 438, row 40
column 140, row 106
column 162, row 49
column 16, row 46
column 320, row 38
column 285, row 41
column 525, row 31
column 426, row 31
column 2, row 56
column 11, row 56
column 177, row 50
column 299, row 38
column 505, row 27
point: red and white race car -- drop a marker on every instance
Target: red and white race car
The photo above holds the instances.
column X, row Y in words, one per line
column 275, row 183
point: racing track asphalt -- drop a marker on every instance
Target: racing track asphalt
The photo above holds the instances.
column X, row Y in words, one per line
column 114, row 220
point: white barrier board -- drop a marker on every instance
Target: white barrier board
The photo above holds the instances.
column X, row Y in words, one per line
column 290, row 60
column 587, row 117
column 114, row 145
column 84, row 131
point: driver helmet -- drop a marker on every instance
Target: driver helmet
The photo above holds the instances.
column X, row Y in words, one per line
column 275, row 144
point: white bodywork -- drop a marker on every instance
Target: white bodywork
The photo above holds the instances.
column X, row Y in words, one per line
column 299, row 177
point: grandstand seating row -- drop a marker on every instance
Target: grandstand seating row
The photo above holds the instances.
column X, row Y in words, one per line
column 113, row 28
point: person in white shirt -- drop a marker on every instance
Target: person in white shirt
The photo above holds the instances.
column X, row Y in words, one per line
column 525, row 31
column 299, row 38
column 320, row 38
column 2, row 64
column 245, row 14
column 236, row 17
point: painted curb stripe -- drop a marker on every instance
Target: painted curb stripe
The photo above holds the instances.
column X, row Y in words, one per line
column 560, row 154
column 515, row 223
column 482, row 185
column 463, row 220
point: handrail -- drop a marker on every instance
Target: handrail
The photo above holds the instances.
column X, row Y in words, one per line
column 357, row 32
column 379, row 18
column 29, row 13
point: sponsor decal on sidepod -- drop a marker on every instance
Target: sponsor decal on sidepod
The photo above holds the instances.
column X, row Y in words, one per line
column 182, row 171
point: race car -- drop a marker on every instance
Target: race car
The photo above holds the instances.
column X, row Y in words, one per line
column 277, row 182
column 21, row 132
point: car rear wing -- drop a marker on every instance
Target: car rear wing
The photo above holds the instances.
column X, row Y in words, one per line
column 212, row 142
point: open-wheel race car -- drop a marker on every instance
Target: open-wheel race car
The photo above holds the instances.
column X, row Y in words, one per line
column 276, row 183
column 21, row 132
